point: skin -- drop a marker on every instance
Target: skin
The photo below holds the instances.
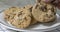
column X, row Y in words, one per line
column 54, row 2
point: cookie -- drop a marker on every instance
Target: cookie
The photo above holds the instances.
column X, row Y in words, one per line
column 44, row 12
column 21, row 17
column 29, row 7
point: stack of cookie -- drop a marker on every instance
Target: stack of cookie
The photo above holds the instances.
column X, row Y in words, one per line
column 23, row 17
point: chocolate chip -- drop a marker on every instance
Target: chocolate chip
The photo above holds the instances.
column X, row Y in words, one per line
column 30, row 9
column 25, row 18
column 50, row 15
column 52, row 9
column 36, row 6
column 23, row 7
column 20, row 13
column 8, row 16
column 12, row 17
column 43, row 8
column 46, row 15
column 54, row 13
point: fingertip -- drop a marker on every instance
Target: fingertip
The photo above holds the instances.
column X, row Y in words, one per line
column 38, row 1
column 46, row 0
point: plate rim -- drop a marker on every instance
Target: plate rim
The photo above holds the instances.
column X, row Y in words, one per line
column 48, row 29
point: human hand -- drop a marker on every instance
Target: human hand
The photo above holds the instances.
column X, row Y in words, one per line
column 54, row 2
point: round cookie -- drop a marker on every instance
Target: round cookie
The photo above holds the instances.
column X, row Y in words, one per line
column 44, row 12
column 21, row 18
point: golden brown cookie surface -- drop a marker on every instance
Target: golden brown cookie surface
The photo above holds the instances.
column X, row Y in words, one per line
column 10, row 13
column 19, row 17
column 44, row 12
column 29, row 7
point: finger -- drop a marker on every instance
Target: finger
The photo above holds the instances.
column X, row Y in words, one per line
column 56, row 2
column 48, row 1
column 38, row 1
column 58, row 6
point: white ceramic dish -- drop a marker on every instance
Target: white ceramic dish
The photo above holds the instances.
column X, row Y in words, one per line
column 37, row 27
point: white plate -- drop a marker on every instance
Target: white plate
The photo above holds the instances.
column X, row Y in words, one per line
column 36, row 27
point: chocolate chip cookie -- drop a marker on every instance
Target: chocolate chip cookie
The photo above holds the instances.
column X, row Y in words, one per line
column 19, row 17
column 44, row 12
